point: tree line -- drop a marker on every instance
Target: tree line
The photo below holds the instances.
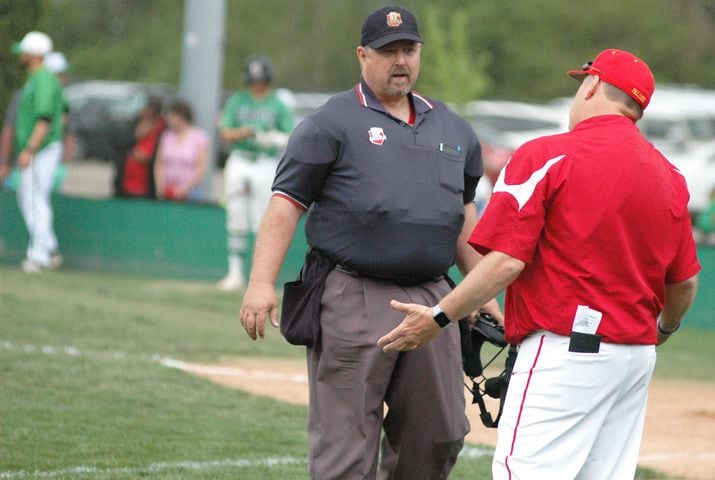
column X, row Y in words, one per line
column 515, row 49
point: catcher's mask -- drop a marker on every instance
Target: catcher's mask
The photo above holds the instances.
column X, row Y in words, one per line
column 485, row 329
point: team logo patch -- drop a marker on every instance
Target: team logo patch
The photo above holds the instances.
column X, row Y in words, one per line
column 377, row 135
column 394, row 19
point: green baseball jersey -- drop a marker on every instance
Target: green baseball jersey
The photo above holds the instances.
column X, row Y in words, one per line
column 41, row 99
column 263, row 115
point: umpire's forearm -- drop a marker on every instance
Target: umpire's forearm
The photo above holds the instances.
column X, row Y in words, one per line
column 491, row 275
column 275, row 236
column 467, row 257
column 679, row 297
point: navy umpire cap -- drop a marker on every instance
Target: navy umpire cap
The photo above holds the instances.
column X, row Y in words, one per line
column 258, row 69
column 387, row 25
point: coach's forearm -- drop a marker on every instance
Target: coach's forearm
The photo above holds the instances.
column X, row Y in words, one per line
column 274, row 238
column 679, row 297
column 490, row 276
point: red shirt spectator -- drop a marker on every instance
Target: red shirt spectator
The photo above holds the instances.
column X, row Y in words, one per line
column 138, row 168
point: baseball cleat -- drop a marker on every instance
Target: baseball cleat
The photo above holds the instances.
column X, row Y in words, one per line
column 231, row 284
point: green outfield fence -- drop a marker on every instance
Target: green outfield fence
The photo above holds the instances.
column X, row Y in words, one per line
column 186, row 241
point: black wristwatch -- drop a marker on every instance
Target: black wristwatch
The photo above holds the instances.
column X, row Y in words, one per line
column 440, row 317
column 666, row 332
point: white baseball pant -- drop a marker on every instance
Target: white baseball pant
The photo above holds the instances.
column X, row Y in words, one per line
column 247, row 187
column 34, row 197
column 573, row 415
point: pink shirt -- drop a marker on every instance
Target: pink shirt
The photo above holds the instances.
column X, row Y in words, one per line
column 181, row 155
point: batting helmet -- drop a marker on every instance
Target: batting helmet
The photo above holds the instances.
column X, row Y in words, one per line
column 258, row 69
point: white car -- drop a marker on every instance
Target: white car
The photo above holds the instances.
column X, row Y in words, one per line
column 679, row 119
column 698, row 168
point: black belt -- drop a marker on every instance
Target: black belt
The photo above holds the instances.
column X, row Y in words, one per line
column 401, row 281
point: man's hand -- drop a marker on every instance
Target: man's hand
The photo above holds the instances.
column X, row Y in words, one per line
column 25, row 158
column 416, row 329
column 492, row 308
column 259, row 302
column 662, row 338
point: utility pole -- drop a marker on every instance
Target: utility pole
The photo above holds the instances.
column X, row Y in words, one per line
column 202, row 68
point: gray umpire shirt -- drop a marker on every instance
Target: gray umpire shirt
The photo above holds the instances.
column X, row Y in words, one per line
column 386, row 199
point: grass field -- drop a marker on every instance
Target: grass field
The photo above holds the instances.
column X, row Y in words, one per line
column 83, row 393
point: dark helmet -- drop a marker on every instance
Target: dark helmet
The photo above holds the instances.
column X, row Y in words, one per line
column 258, row 69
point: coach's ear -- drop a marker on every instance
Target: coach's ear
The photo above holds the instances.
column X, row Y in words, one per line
column 590, row 85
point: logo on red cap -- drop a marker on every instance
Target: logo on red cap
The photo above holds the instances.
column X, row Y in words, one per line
column 394, row 19
column 637, row 93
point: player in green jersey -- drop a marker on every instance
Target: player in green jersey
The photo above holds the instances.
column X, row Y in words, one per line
column 256, row 123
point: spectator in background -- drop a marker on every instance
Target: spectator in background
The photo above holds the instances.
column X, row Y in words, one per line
column 182, row 156
column 138, row 178
column 256, row 123
column 57, row 64
column 38, row 143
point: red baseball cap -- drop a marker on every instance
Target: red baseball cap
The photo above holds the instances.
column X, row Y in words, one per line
column 623, row 70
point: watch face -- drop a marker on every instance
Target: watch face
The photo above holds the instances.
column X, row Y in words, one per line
column 442, row 320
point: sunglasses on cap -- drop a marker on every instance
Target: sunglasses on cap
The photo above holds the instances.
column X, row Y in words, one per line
column 588, row 67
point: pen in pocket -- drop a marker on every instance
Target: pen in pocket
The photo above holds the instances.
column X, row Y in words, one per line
column 443, row 147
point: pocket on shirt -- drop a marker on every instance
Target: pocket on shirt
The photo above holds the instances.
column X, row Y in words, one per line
column 451, row 172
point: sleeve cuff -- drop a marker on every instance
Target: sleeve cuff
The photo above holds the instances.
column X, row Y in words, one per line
column 294, row 201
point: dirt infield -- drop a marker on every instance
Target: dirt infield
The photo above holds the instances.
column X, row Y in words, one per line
column 679, row 435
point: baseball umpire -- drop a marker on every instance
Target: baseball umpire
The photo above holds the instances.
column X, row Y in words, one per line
column 389, row 177
column 590, row 230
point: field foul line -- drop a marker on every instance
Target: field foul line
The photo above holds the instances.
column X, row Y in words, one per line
column 467, row 452
column 70, row 351
column 152, row 468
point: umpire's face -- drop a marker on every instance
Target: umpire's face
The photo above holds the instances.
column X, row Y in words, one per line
column 391, row 71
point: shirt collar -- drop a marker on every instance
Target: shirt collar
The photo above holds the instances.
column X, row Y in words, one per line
column 369, row 100
column 612, row 119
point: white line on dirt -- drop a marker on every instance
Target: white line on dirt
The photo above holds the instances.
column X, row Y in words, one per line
column 151, row 468
column 232, row 371
column 669, row 457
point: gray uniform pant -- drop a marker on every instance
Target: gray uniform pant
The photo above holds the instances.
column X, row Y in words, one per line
column 351, row 379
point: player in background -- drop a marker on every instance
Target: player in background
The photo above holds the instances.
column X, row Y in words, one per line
column 256, row 123
column 38, row 144
column 590, row 231
column 57, row 64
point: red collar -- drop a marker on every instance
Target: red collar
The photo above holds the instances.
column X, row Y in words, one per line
column 367, row 99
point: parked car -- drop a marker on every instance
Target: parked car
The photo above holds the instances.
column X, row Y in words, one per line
column 698, row 168
column 679, row 119
column 504, row 126
column 104, row 113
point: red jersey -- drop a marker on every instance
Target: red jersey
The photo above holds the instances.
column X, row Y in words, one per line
column 137, row 174
column 600, row 218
